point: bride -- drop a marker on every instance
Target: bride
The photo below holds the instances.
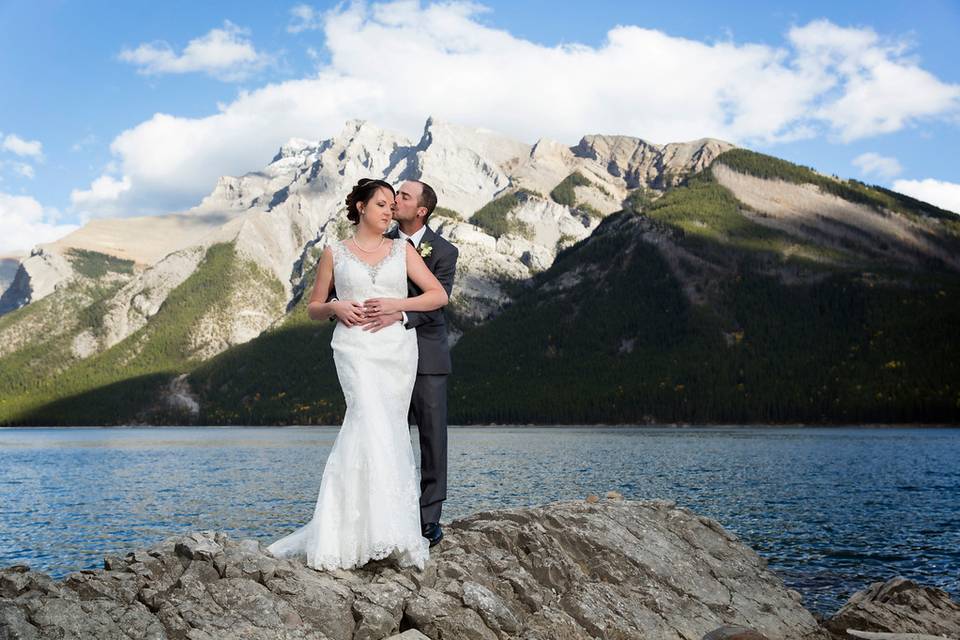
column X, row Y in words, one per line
column 368, row 507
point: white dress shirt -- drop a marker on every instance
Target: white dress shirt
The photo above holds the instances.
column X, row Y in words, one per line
column 416, row 237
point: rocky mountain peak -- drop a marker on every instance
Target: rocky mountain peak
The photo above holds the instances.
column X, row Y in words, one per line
column 484, row 142
column 547, row 148
column 464, row 164
column 641, row 163
column 294, row 147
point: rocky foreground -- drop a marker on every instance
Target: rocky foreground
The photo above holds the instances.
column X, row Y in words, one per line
column 580, row 569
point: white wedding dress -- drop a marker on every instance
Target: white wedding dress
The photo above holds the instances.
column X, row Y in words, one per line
column 369, row 502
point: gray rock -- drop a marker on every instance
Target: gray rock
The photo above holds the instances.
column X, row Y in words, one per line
column 409, row 634
column 881, row 635
column 898, row 606
column 734, row 632
column 614, row 569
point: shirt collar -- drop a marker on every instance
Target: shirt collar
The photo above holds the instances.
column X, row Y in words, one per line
column 416, row 237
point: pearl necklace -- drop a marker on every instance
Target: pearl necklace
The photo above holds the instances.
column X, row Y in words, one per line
column 354, row 238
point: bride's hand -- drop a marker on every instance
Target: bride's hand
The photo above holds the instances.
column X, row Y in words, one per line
column 349, row 312
column 381, row 306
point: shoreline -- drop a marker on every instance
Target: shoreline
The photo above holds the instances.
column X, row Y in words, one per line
column 663, row 426
column 504, row 573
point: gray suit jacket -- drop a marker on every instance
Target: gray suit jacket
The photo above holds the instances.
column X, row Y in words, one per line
column 431, row 326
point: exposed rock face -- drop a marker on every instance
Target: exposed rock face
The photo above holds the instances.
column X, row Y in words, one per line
column 602, row 569
column 280, row 216
column 140, row 299
column 640, row 163
column 898, row 606
column 8, row 269
column 465, row 164
column 36, row 277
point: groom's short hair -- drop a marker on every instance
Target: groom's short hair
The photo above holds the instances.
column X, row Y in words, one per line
column 428, row 198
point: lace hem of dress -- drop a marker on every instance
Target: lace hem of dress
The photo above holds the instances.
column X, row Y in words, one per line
column 372, row 269
column 407, row 553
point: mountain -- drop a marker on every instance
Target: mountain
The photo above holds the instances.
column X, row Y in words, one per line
column 615, row 280
column 8, row 269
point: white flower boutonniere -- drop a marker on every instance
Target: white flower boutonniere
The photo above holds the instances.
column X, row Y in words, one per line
column 425, row 249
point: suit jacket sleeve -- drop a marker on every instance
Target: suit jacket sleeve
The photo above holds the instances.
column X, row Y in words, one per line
column 333, row 294
column 446, row 267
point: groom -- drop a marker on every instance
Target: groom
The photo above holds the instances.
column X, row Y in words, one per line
column 415, row 202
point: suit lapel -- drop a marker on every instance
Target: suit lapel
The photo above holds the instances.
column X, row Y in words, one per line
column 427, row 236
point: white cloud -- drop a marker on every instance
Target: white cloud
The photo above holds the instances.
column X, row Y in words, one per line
column 878, row 88
column 103, row 196
column 394, row 64
column 226, row 54
column 945, row 195
column 21, row 147
column 303, row 17
column 874, row 164
column 25, row 223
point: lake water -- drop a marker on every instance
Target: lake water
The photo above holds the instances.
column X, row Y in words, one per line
column 831, row 509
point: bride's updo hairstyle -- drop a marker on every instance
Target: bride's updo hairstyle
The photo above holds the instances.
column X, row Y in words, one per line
column 362, row 192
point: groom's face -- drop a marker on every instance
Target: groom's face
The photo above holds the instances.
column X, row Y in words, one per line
column 408, row 201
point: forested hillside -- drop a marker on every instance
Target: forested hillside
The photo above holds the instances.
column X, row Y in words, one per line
column 820, row 301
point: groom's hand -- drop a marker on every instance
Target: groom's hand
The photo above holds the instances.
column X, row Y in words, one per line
column 375, row 323
column 381, row 306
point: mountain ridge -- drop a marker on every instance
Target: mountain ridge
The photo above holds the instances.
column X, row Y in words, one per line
column 706, row 221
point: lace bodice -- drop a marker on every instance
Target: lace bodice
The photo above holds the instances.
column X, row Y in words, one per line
column 354, row 279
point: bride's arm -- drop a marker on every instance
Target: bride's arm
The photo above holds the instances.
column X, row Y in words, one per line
column 434, row 295
column 318, row 308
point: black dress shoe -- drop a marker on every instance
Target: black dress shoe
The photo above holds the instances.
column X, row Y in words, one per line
column 433, row 533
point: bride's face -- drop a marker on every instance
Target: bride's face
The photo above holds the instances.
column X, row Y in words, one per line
column 378, row 212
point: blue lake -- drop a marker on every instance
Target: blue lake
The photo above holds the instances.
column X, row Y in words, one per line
column 831, row 509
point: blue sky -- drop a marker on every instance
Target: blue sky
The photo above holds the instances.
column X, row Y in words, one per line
column 108, row 109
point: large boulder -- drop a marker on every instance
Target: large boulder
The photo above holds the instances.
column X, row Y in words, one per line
column 896, row 608
column 609, row 569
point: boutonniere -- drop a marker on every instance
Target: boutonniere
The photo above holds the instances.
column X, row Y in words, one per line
column 425, row 249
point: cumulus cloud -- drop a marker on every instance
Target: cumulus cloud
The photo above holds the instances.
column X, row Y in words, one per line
column 874, row 164
column 103, row 196
column 879, row 88
column 25, row 223
column 19, row 146
column 824, row 80
column 226, row 54
column 945, row 195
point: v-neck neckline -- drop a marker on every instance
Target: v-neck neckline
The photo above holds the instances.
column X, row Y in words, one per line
column 373, row 266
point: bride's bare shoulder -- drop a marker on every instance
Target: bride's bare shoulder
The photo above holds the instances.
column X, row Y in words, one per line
column 326, row 256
